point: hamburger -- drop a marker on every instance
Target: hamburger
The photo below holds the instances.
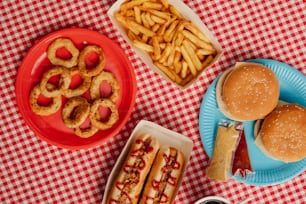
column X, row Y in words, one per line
column 248, row 91
column 281, row 135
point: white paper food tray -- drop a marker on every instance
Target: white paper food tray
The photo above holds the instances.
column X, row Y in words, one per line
column 164, row 136
column 188, row 14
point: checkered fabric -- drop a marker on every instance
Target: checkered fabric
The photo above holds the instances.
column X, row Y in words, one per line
column 32, row 171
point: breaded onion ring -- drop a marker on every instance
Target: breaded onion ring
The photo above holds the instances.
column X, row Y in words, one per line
column 82, row 60
column 81, row 89
column 85, row 132
column 68, row 44
column 54, row 91
column 109, row 78
column 94, row 114
column 51, row 108
column 75, row 111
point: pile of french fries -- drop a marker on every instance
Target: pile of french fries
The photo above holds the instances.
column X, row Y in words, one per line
column 177, row 47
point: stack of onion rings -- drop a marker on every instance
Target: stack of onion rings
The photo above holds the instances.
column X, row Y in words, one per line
column 77, row 108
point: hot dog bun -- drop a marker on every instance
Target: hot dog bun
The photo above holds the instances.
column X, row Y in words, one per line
column 164, row 176
column 130, row 180
column 248, row 91
column 281, row 135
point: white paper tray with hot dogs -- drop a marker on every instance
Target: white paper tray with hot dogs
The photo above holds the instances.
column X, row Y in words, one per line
column 165, row 137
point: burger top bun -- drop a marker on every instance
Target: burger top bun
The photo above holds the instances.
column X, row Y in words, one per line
column 248, row 91
column 281, row 135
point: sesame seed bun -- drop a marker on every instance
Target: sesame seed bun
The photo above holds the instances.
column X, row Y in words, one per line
column 248, row 91
column 281, row 135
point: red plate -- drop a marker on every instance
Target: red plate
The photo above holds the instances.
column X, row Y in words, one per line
column 51, row 128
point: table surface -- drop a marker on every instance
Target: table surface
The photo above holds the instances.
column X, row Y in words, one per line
column 32, row 171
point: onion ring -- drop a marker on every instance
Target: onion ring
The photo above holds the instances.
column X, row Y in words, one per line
column 81, row 89
column 68, row 44
column 54, row 91
column 86, row 132
column 75, row 111
column 53, row 107
column 97, row 80
column 82, row 60
column 94, row 113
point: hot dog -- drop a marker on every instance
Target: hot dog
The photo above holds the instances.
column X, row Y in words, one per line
column 164, row 176
column 130, row 180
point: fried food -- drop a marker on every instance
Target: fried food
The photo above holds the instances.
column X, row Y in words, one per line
column 75, row 111
column 54, row 90
column 58, row 82
column 176, row 46
column 86, row 132
column 110, row 79
column 44, row 110
column 63, row 43
column 81, row 89
column 93, row 71
column 94, row 114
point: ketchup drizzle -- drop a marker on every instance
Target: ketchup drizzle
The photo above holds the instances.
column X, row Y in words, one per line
column 158, row 186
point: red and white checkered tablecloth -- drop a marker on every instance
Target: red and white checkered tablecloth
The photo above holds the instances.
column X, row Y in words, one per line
column 32, row 171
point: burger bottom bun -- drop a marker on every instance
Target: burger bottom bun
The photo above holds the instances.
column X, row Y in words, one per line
column 281, row 135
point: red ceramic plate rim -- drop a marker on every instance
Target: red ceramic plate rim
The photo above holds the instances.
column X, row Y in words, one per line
column 36, row 61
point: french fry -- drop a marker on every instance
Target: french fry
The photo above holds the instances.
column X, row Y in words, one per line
column 198, row 41
column 143, row 46
column 170, row 59
column 166, row 53
column 184, row 69
column 157, row 19
column 132, row 36
column 188, row 25
column 165, row 70
column 152, row 5
column 155, row 27
column 137, row 14
column 149, row 19
column 202, row 51
column 178, row 67
column 170, row 31
column 120, row 18
column 160, row 14
column 165, row 3
column 174, row 11
column 170, row 73
column 156, row 48
column 208, row 59
column 131, row 4
column 194, row 58
column 140, row 28
column 144, row 20
column 188, row 60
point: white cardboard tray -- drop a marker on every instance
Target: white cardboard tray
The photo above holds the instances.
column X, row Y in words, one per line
column 164, row 136
column 188, row 14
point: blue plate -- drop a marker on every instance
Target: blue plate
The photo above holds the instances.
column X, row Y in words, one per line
column 266, row 170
